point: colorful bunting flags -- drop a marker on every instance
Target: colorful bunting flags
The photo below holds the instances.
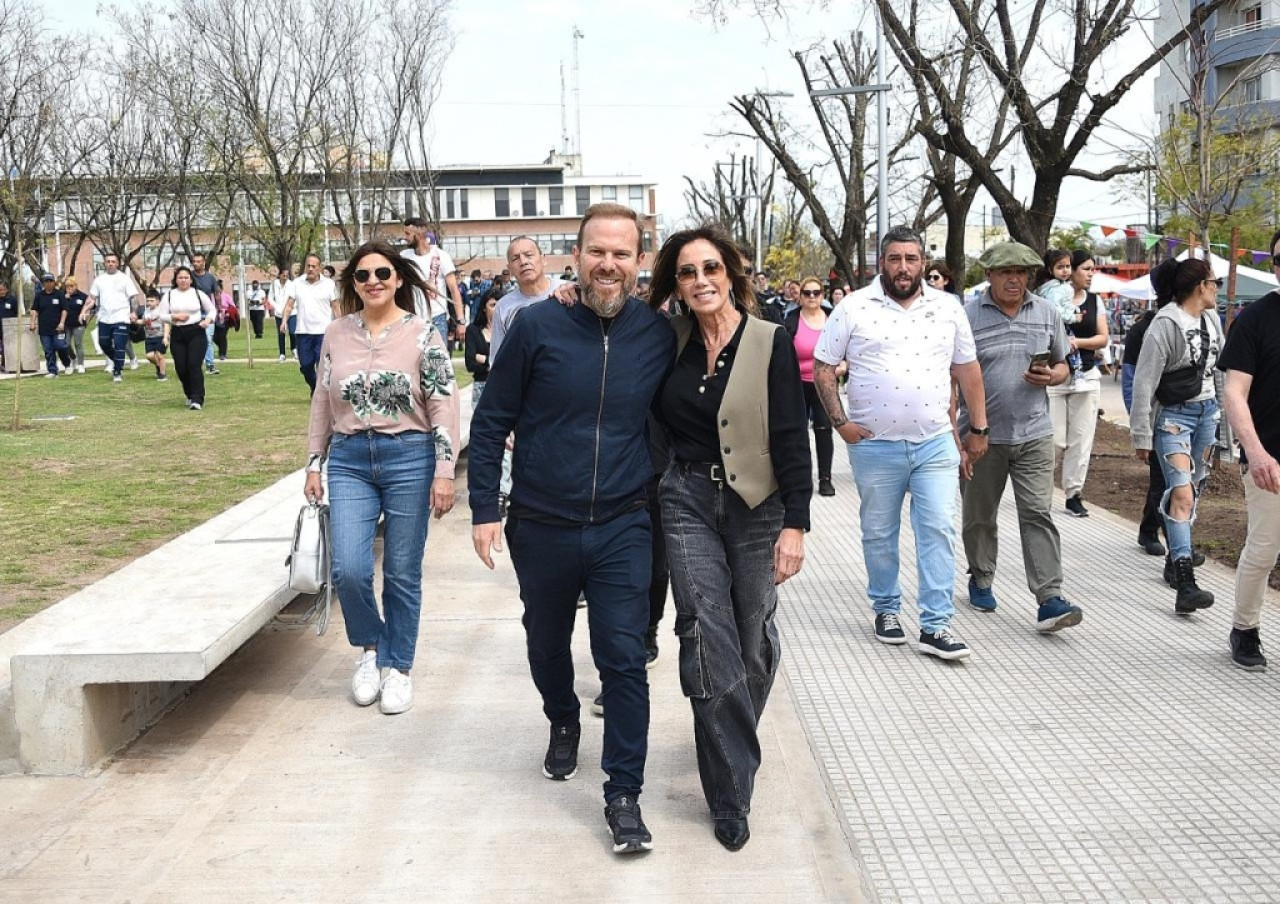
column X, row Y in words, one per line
column 1150, row 239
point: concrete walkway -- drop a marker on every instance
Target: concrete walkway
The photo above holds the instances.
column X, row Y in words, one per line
column 1124, row 760
column 269, row 784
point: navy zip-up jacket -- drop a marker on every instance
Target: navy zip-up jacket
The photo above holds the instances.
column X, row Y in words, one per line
column 576, row 390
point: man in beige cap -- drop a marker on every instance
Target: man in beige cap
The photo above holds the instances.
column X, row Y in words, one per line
column 1022, row 348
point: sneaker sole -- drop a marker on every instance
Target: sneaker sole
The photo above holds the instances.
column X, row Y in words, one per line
column 395, row 712
column 651, row 663
column 1050, row 625
column 1249, row 667
column 983, row 607
column 372, row 700
column 892, row 641
column 632, row 847
column 559, row 778
column 930, row 650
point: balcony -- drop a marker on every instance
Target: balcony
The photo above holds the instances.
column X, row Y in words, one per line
column 1245, row 28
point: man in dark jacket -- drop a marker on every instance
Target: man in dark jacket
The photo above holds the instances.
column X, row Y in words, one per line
column 575, row 385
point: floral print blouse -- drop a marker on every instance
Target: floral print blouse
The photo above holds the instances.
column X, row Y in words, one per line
column 398, row 381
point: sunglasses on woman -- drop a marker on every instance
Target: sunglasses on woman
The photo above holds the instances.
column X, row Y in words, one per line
column 811, row 293
column 382, row 274
column 1219, row 282
column 935, row 277
column 689, row 272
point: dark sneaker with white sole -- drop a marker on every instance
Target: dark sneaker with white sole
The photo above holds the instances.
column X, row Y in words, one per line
column 1055, row 614
column 943, row 644
column 561, row 763
column 597, row 705
column 625, row 822
column 1076, row 507
column 1246, row 649
column 981, row 598
column 889, row 628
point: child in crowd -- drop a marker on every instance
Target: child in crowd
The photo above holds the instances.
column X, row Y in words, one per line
column 157, row 336
column 1054, row 280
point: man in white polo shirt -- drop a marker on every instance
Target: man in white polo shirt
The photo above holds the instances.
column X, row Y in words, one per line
column 904, row 344
column 314, row 298
column 440, row 275
column 114, row 295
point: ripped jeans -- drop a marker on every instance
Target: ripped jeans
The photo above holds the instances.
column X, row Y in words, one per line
column 1188, row 429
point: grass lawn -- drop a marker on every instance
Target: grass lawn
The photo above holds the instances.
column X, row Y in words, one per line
column 133, row 467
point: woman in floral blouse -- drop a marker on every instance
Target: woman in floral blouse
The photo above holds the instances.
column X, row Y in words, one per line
column 385, row 415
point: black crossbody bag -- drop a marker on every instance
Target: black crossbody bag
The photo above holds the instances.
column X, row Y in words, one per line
column 1184, row 383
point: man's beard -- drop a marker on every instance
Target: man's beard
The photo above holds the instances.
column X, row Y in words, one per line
column 607, row 308
column 891, row 288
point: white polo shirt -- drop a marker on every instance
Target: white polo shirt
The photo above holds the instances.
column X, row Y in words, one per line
column 434, row 266
column 312, row 302
column 113, row 291
column 899, row 360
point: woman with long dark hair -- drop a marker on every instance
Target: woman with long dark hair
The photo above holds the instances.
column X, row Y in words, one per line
column 1175, row 411
column 479, row 335
column 1074, row 404
column 385, row 416
column 735, row 505
column 188, row 311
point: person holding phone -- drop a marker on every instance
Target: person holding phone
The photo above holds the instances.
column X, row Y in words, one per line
column 1022, row 347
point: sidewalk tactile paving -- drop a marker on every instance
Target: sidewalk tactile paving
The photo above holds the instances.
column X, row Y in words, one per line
column 1124, row 759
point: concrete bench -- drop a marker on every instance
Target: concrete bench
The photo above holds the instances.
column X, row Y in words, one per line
column 88, row 674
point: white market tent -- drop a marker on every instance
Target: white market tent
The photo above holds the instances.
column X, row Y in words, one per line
column 1103, row 284
column 1251, row 284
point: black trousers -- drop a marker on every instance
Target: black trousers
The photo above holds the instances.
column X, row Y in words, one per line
column 1152, row 525
column 821, row 430
column 187, row 345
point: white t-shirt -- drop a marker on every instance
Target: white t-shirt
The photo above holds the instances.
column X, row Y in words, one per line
column 511, row 304
column 313, row 303
column 113, row 291
column 256, row 297
column 278, row 294
column 434, row 266
column 899, row 360
column 1191, row 331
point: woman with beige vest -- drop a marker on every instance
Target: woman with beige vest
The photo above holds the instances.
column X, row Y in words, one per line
column 735, row 505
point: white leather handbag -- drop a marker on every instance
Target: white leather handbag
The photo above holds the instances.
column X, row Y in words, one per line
column 310, row 562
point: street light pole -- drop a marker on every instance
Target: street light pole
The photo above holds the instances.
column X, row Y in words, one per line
column 759, row 193
column 19, row 326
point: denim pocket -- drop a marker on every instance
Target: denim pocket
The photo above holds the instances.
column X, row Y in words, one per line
column 412, row 438
column 693, row 670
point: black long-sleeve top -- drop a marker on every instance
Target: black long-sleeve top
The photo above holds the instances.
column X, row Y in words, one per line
column 477, row 344
column 689, row 403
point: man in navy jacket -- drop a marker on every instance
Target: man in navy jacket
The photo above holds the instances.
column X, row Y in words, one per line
column 575, row 385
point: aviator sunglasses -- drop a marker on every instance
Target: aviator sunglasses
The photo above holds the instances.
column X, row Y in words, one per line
column 689, row 272
column 382, row 274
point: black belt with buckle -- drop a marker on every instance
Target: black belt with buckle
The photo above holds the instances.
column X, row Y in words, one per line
column 712, row 471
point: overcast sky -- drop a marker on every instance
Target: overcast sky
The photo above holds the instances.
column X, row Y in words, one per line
column 656, row 80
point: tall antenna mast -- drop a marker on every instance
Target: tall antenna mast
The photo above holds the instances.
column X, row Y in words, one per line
column 564, row 115
column 577, row 94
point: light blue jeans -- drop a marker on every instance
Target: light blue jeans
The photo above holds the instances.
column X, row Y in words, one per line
column 372, row 474
column 884, row 472
column 1189, row 429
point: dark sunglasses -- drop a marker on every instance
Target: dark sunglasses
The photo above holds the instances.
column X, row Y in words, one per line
column 1275, row 260
column 689, row 272
column 382, row 274
column 933, row 276
column 811, row 293
column 1217, row 282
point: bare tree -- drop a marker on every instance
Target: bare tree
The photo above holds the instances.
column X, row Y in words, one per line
column 736, row 197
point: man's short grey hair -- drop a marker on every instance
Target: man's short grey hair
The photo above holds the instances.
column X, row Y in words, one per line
column 899, row 235
column 523, row 238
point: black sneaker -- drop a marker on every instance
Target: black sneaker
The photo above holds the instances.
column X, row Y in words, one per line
column 943, row 644
column 1246, row 650
column 1190, row 596
column 889, row 628
column 597, row 705
column 627, row 825
column 650, row 648
column 561, row 763
column 825, row 487
column 1076, row 507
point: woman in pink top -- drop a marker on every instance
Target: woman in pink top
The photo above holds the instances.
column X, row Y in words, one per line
column 805, row 325
column 385, row 414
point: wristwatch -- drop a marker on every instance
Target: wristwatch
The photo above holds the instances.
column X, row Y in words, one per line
column 980, row 431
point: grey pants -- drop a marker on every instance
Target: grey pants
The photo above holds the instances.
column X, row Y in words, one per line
column 721, row 558
column 1030, row 466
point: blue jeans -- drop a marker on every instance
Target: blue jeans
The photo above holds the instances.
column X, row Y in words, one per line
column 114, row 339
column 308, row 346
column 372, row 474
column 885, row 471
column 1188, row 429
column 54, row 347
column 208, row 352
column 611, row 563
column 441, row 323
column 721, row 557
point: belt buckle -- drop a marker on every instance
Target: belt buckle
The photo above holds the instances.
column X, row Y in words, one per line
column 716, row 473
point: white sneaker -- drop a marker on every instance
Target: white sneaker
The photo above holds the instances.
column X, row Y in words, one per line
column 397, row 692
column 282, row 359
column 364, row 683
column 133, row 365
column 108, row 367
column 79, row 368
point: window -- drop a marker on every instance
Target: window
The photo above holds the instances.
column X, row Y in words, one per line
column 556, row 194
column 648, row 242
column 449, row 200
column 635, row 198
column 501, row 202
column 609, row 193
column 529, row 201
column 1251, row 89
column 1251, row 16
column 463, row 210
column 583, row 199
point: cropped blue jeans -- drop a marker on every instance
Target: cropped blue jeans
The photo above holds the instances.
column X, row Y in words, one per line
column 370, row 475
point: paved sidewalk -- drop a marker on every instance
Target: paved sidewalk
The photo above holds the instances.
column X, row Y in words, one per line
column 1122, row 760
column 269, row 784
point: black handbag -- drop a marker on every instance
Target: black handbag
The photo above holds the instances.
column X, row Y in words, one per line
column 1184, row 383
